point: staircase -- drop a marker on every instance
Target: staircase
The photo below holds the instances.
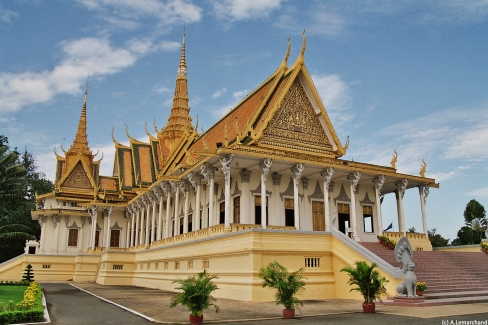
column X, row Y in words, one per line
column 451, row 277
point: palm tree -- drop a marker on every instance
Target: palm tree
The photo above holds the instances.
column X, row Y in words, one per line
column 287, row 285
column 12, row 180
column 15, row 231
column 367, row 280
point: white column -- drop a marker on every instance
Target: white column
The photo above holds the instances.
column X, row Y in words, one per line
column 66, row 235
column 148, row 217
column 107, row 242
column 245, row 196
column 138, row 214
column 327, row 176
column 225, row 161
column 81, row 234
column 184, row 187
column 159, row 195
column 177, row 202
column 208, row 173
column 265, row 166
column 133, row 213
column 424, row 192
column 167, row 192
column 142, row 226
column 93, row 215
column 127, row 232
column 56, row 219
column 153, row 218
column 197, row 185
column 297, row 174
column 353, row 181
column 378, row 185
column 42, row 222
column 401, row 187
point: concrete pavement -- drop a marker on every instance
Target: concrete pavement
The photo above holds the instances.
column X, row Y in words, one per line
column 154, row 305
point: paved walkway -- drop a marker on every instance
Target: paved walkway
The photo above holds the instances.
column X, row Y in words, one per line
column 154, row 305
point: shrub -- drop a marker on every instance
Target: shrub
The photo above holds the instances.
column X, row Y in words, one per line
column 287, row 285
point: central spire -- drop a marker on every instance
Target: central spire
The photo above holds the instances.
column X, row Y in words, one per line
column 179, row 120
column 80, row 143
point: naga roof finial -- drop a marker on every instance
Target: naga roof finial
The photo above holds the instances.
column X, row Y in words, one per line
column 394, row 159
column 423, row 168
column 284, row 64
column 300, row 59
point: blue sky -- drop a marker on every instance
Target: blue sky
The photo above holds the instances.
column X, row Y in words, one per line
column 404, row 75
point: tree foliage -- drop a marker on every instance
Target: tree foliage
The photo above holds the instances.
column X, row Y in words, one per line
column 436, row 239
column 367, row 280
column 196, row 293
column 473, row 210
column 287, row 284
column 19, row 183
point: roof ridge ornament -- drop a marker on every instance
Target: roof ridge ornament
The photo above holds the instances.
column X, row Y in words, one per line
column 300, row 59
column 394, row 159
column 284, row 64
column 423, row 168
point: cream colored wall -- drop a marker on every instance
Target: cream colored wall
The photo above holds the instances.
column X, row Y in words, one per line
column 236, row 258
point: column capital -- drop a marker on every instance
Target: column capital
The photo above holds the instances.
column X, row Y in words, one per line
column 297, row 172
column 208, row 171
column 66, row 220
column 265, row 166
column 41, row 221
column 195, row 180
column 184, row 187
column 327, row 176
column 225, row 161
column 378, row 183
column 245, row 175
column 354, row 179
column 402, row 186
column 56, row 218
column 109, row 211
column 157, row 192
column 424, row 191
column 276, row 179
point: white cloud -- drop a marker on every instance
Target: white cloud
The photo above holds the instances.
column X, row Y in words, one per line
column 126, row 13
column 336, row 97
column 6, row 16
column 234, row 10
column 450, row 137
column 219, row 93
column 169, row 46
column 481, row 192
column 83, row 57
column 240, row 94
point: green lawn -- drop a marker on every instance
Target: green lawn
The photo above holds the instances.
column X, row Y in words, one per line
column 15, row 293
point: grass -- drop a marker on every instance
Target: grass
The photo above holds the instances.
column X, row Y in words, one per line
column 15, row 293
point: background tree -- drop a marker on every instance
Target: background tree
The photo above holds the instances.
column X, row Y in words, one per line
column 19, row 182
column 436, row 239
column 473, row 210
column 475, row 225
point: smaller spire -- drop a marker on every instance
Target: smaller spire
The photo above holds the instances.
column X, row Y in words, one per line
column 182, row 67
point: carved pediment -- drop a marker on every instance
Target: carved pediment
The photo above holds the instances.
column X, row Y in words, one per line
column 78, row 178
column 296, row 122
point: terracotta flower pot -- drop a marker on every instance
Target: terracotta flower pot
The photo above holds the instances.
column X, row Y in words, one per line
column 420, row 293
column 369, row 307
column 289, row 313
column 196, row 320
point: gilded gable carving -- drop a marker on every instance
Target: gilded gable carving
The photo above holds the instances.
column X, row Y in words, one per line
column 78, row 178
column 296, row 121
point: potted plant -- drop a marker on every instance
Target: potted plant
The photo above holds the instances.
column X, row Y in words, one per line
column 421, row 287
column 287, row 285
column 196, row 295
column 368, row 282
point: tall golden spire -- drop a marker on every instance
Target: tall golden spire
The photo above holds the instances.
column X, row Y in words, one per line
column 179, row 120
column 80, row 143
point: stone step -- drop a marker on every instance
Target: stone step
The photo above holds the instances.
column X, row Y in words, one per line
column 441, row 301
column 460, row 294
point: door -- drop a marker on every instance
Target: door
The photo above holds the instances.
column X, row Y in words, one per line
column 318, row 215
column 343, row 212
column 114, row 238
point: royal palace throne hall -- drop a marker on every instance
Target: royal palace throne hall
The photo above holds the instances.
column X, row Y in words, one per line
column 266, row 182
